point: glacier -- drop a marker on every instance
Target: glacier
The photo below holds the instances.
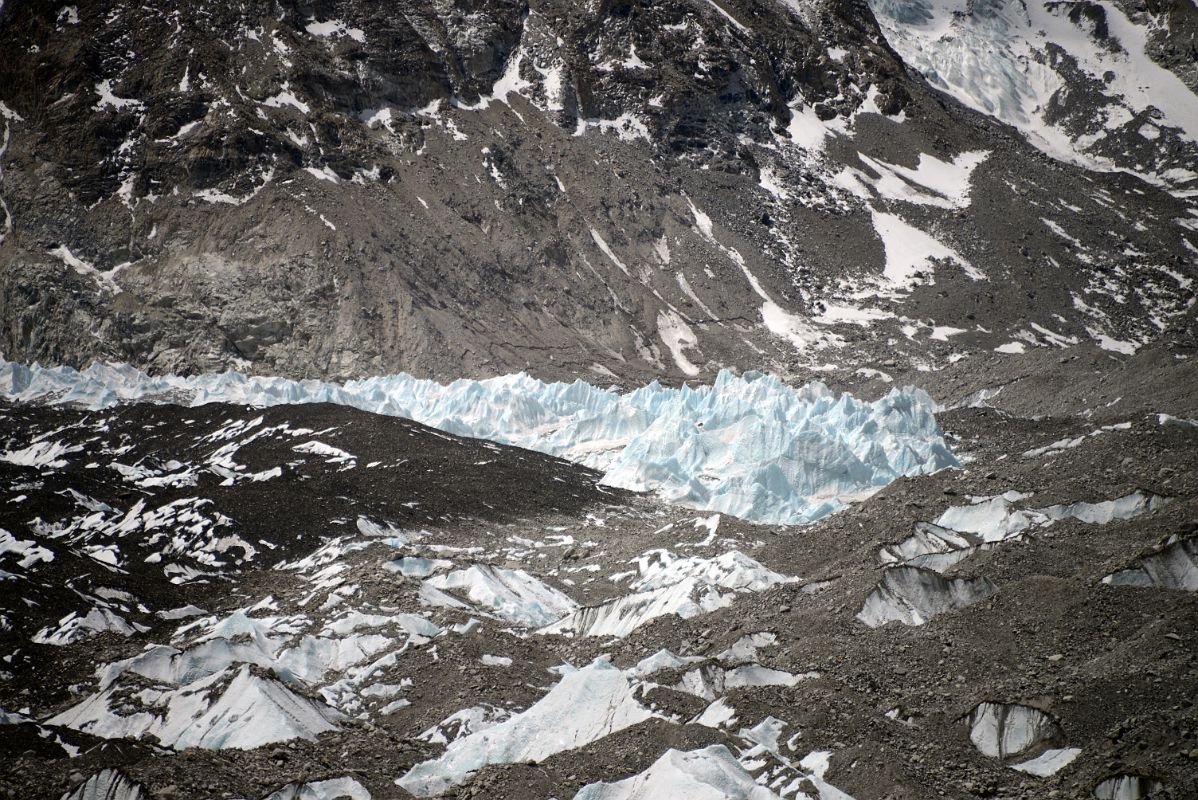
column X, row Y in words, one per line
column 1173, row 566
column 331, row 789
column 988, row 522
column 1050, row 762
column 513, row 595
column 709, row 774
column 749, row 445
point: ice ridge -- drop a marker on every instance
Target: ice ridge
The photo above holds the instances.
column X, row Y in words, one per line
column 747, row 445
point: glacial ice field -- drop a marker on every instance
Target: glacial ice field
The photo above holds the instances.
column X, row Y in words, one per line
column 749, row 446
column 285, row 668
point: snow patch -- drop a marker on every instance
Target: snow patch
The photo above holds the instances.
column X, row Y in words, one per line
column 806, row 129
column 678, row 337
column 286, row 98
column 1000, row 60
column 910, row 253
column 946, row 184
column 107, row 99
column 335, row 27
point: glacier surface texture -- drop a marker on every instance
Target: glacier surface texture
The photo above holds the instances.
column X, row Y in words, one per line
column 749, row 445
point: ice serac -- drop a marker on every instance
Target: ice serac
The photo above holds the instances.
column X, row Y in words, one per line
column 583, row 707
column 913, row 596
column 231, row 709
column 748, row 445
column 108, row 784
column 708, row 774
column 1004, row 729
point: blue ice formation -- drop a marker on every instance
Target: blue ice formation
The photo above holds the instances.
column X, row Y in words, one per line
column 749, row 446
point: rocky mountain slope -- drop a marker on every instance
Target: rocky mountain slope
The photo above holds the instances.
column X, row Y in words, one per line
column 250, row 559
column 641, row 189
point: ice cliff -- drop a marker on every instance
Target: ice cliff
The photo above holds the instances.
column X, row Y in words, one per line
column 748, row 445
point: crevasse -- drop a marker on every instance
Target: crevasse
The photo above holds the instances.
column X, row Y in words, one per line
column 749, row 446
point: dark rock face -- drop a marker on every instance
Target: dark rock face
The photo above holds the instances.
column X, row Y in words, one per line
column 337, row 189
